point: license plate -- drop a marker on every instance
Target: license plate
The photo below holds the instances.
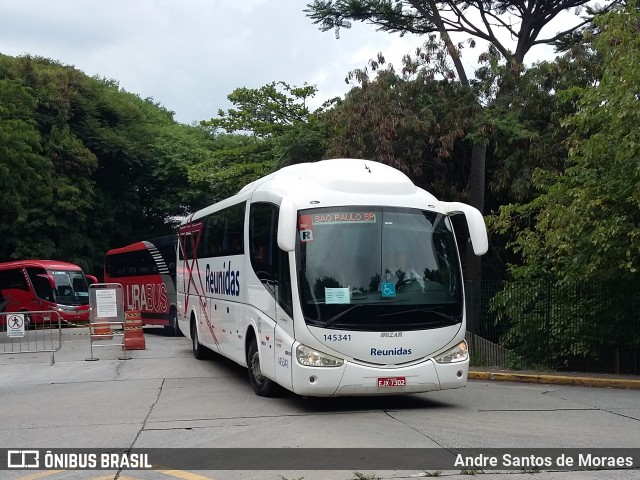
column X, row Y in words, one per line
column 392, row 382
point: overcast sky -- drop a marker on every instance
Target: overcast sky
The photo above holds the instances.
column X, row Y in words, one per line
column 188, row 55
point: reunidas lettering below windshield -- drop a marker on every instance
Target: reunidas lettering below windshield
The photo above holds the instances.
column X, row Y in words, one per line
column 378, row 268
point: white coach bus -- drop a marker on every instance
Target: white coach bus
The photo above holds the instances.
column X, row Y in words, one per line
column 339, row 277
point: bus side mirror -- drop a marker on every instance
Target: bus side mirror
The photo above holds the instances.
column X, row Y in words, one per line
column 287, row 226
column 475, row 222
column 91, row 279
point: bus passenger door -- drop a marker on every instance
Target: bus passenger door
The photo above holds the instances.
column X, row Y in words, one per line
column 261, row 282
column 284, row 337
column 272, row 293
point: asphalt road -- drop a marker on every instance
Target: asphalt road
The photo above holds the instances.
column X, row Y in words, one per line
column 163, row 398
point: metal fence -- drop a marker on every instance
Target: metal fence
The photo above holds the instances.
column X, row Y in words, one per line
column 584, row 326
column 31, row 332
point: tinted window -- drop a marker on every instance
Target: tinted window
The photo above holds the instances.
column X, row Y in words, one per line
column 13, row 279
column 131, row 264
column 270, row 264
column 375, row 268
column 41, row 283
column 222, row 234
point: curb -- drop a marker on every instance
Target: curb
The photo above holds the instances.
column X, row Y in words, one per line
column 557, row 380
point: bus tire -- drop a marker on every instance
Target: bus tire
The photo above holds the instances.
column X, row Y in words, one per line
column 173, row 329
column 199, row 350
column 261, row 385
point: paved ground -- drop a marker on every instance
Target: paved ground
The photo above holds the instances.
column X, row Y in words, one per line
column 183, row 402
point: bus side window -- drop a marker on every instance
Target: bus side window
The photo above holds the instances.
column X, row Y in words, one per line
column 41, row 284
column 13, row 279
column 260, row 239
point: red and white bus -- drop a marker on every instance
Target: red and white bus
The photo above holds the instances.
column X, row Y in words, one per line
column 40, row 285
column 147, row 272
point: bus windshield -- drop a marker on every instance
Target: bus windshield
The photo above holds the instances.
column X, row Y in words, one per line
column 378, row 268
column 70, row 287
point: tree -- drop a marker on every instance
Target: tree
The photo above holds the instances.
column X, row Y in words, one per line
column 481, row 20
column 581, row 233
column 409, row 120
column 586, row 218
column 88, row 166
column 270, row 127
column 25, row 174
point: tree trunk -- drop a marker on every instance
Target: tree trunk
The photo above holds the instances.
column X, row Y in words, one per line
column 473, row 263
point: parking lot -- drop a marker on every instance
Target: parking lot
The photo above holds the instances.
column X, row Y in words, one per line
column 164, row 400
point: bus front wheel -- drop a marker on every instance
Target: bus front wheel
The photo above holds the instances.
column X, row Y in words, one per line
column 261, row 385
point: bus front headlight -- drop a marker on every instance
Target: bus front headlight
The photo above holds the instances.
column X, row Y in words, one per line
column 459, row 353
column 313, row 358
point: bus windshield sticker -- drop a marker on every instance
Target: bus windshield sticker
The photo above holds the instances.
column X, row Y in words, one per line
column 388, row 289
column 305, row 228
column 337, row 295
column 344, row 217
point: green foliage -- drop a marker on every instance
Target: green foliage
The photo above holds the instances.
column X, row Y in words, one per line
column 579, row 238
column 525, row 135
column 266, row 111
column 87, row 165
column 25, row 174
column 509, row 130
column 585, row 223
column 270, row 127
column 408, row 120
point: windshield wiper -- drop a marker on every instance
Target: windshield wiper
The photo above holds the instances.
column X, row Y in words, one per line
column 434, row 310
column 338, row 316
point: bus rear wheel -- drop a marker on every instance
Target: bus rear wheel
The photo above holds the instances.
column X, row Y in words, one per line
column 261, row 385
column 199, row 350
column 173, row 329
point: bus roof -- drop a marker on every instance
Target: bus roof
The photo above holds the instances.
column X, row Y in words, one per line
column 159, row 242
column 47, row 264
column 347, row 175
column 345, row 181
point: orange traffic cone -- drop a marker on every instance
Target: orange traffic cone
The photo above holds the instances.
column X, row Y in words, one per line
column 133, row 333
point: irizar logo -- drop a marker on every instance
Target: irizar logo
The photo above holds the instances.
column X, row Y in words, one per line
column 224, row 282
column 376, row 352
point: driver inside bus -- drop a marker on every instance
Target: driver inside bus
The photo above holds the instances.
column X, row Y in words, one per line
column 404, row 272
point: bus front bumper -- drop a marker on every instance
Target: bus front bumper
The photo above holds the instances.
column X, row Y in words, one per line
column 353, row 379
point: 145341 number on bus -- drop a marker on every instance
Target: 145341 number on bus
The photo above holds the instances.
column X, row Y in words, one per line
column 337, row 337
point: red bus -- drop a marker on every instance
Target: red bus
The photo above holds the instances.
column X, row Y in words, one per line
column 147, row 272
column 37, row 285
